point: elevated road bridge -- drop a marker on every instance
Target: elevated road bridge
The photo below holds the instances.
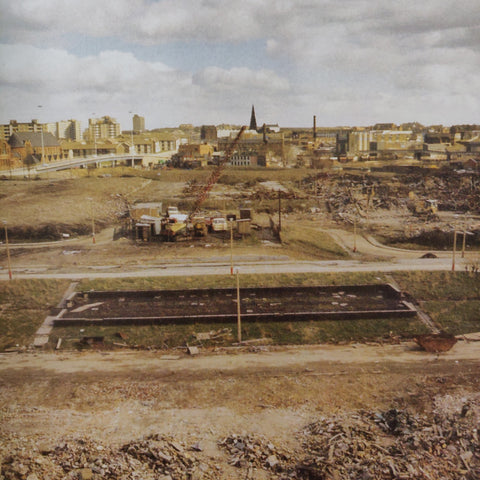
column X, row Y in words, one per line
column 112, row 159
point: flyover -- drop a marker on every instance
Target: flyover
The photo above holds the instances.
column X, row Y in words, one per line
column 97, row 161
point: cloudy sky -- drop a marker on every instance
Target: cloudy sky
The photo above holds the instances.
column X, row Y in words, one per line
column 350, row 62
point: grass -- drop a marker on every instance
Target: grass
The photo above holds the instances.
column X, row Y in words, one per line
column 452, row 286
column 451, row 298
column 455, row 317
column 227, row 281
column 311, row 242
column 24, row 304
column 278, row 333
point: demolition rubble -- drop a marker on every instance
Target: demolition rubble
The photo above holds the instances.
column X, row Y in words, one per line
column 362, row 445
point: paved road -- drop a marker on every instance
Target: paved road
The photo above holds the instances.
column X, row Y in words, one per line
column 222, row 268
column 386, row 259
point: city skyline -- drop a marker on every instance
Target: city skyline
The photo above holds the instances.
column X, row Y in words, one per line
column 349, row 63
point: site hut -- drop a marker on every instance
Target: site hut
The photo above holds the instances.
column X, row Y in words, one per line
column 146, row 219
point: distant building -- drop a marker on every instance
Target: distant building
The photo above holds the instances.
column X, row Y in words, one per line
column 253, row 120
column 105, row 127
column 68, row 130
column 272, row 128
column 384, row 126
column 43, row 146
column 378, row 141
column 249, row 159
column 138, row 123
column 7, row 130
column 193, row 155
column 208, row 133
column 256, row 143
column 6, row 160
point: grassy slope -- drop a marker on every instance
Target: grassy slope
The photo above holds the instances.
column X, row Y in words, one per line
column 451, row 298
column 24, row 304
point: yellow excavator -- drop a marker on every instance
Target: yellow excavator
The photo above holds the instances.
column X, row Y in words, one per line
column 422, row 208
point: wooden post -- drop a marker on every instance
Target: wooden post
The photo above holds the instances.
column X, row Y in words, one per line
column 8, row 253
column 279, row 211
column 454, row 248
column 239, row 318
column 354, row 234
column 93, row 225
column 231, row 246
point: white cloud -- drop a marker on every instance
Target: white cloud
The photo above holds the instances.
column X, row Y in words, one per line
column 241, row 78
column 350, row 59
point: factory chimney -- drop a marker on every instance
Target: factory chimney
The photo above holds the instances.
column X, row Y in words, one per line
column 314, row 127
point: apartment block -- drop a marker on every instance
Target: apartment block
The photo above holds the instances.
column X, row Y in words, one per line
column 138, row 123
column 105, row 127
column 13, row 126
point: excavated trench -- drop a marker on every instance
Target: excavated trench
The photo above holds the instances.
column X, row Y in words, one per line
column 220, row 305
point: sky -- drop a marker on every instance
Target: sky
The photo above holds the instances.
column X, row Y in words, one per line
column 349, row 62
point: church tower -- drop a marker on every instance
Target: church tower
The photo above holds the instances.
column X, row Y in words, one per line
column 253, row 120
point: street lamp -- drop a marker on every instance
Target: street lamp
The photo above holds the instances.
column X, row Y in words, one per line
column 354, row 234
column 8, row 251
column 464, row 234
column 454, row 248
column 93, row 218
column 231, row 246
column 43, row 144
column 239, row 315
column 133, row 145
column 94, row 131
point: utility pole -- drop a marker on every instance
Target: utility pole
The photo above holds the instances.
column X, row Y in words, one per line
column 464, row 235
column 354, row 234
column 279, row 211
column 8, row 251
column 133, row 146
column 93, row 218
column 454, row 248
column 231, row 246
column 239, row 318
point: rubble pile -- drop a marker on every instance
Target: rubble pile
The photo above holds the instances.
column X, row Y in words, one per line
column 364, row 445
column 250, row 451
column 152, row 458
column 169, row 458
column 394, row 445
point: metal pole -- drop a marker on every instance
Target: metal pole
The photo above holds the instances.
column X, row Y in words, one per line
column 133, row 146
column 8, row 252
column 43, row 147
column 354, row 234
column 93, row 218
column 231, row 246
column 454, row 248
column 279, row 211
column 239, row 318
column 464, row 235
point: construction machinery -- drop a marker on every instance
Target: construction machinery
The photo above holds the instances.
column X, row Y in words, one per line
column 422, row 208
column 176, row 224
column 199, row 225
column 214, row 176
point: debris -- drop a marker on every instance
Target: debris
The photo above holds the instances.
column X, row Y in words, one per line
column 436, row 342
column 193, row 351
column 92, row 340
column 89, row 306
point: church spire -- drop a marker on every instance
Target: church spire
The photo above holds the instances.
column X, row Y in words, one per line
column 253, row 120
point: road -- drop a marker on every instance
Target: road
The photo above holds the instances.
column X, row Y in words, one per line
column 222, row 268
column 371, row 256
